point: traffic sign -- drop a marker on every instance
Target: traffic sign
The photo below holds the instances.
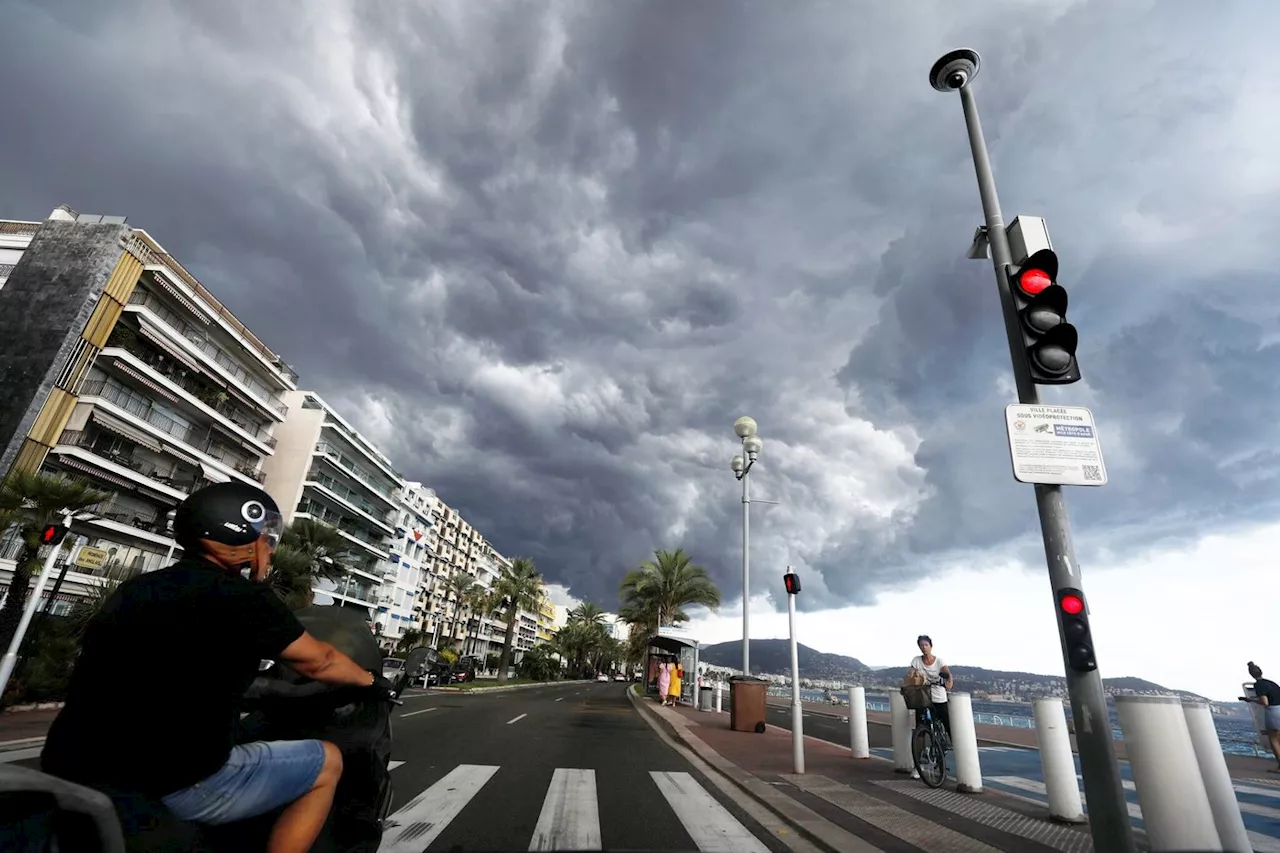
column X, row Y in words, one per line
column 91, row 558
column 1054, row 445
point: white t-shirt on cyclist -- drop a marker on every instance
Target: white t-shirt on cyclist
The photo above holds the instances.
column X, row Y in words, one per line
column 933, row 673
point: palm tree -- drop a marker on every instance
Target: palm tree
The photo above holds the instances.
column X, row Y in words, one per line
column 656, row 592
column 409, row 639
column 587, row 612
column 464, row 588
column 518, row 588
column 33, row 501
column 309, row 549
column 481, row 605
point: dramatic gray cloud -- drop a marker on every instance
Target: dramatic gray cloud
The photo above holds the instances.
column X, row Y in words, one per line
column 546, row 253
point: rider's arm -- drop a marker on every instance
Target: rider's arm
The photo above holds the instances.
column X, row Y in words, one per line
column 321, row 661
column 945, row 672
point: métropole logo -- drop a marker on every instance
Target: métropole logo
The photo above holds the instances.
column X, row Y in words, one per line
column 1073, row 431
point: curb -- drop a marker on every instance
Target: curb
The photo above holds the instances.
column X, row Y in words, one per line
column 38, row 706
column 21, row 743
column 486, row 690
column 806, row 823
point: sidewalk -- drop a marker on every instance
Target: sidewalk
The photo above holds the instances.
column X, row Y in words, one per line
column 1244, row 768
column 847, row 805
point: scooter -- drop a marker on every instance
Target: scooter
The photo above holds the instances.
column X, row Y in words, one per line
column 42, row 813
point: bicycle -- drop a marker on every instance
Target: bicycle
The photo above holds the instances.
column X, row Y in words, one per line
column 929, row 741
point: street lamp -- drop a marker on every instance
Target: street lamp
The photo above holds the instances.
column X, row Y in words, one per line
column 745, row 428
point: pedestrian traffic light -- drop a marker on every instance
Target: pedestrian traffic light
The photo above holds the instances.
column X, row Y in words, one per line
column 53, row 534
column 1075, row 630
column 792, row 581
column 1048, row 340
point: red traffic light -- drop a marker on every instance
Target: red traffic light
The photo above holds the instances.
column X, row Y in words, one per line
column 1033, row 282
column 1072, row 604
column 792, row 581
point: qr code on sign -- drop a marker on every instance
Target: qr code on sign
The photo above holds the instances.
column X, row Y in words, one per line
column 1091, row 472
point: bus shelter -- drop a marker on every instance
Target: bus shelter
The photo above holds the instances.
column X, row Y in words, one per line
column 671, row 646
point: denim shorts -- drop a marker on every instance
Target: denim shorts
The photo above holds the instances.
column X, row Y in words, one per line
column 1273, row 718
column 257, row 778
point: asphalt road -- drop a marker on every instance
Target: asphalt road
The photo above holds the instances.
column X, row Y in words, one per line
column 562, row 767
column 831, row 729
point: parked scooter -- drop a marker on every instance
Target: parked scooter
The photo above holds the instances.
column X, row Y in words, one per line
column 40, row 813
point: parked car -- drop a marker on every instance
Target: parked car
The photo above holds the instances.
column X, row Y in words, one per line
column 392, row 667
column 602, row 677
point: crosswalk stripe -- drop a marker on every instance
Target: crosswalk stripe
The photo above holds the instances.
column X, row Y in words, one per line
column 421, row 820
column 708, row 823
column 570, row 818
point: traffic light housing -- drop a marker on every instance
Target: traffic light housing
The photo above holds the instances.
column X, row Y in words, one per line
column 1040, row 303
column 792, row 582
column 1076, row 637
column 53, row 534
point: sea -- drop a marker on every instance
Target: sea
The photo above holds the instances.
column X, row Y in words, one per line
column 1235, row 733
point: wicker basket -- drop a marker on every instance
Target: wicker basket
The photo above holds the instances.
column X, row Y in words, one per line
column 917, row 696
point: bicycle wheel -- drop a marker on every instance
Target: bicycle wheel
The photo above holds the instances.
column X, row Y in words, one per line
column 929, row 757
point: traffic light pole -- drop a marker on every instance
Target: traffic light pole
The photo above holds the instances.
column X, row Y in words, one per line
column 10, row 660
column 1104, row 791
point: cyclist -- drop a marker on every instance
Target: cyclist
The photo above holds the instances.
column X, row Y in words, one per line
column 938, row 676
column 154, row 700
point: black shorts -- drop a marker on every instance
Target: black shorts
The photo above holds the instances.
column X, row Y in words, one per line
column 943, row 714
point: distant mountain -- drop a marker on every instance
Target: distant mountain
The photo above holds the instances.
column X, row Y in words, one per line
column 773, row 657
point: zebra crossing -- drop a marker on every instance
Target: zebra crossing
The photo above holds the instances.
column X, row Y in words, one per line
column 1016, row 772
column 570, row 815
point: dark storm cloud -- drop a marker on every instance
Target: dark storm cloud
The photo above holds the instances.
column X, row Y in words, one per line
column 545, row 253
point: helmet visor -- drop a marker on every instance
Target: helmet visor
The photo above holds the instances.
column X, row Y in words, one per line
column 272, row 527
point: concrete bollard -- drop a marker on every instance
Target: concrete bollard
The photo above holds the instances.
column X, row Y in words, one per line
column 1057, row 761
column 964, row 744
column 1175, row 806
column 859, row 742
column 719, row 686
column 902, row 725
column 1217, row 779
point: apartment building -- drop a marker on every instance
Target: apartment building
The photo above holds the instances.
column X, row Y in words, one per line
column 118, row 368
column 413, row 548
column 324, row 469
column 546, row 620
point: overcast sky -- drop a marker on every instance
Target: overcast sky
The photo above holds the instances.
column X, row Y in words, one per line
column 546, row 253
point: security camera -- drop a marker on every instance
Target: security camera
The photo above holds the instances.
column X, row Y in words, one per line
column 955, row 70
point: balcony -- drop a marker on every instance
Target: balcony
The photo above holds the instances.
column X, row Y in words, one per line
column 352, row 469
column 204, row 441
column 360, row 535
column 126, row 454
column 352, row 497
column 213, row 397
column 197, row 338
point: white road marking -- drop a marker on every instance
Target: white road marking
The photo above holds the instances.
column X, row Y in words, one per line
column 423, row 711
column 421, row 820
column 516, row 719
column 708, row 823
column 392, row 765
column 570, row 817
column 561, row 699
column 20, row 754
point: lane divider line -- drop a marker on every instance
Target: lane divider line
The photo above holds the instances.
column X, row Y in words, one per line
column 411, row 713
column 517, row 719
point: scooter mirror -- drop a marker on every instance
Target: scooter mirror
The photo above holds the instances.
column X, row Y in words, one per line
column 413, row 662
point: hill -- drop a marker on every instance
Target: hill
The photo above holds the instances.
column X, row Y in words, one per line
column 773, row 657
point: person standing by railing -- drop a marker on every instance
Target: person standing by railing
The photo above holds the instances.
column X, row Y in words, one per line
column 1267, row 694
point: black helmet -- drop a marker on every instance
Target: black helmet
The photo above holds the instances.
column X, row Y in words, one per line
column 234, row 514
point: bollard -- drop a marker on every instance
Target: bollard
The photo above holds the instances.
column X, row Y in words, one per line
column 1057, row 761
column 1175, row 806
column 902, row 724
column 1217, row 779
column 859, row 744
column 964, row 743
column 718, row 687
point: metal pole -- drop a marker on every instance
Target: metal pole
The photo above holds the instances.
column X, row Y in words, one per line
column 43, row 612
column 10, row 659
column 797, row 711
column 1103, row 789
column 746, row 573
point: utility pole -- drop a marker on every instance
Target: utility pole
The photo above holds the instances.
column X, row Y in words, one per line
column 1104, row 792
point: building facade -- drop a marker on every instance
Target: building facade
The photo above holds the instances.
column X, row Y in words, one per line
column 131, row 377
column 323, row 469
column 413, row 547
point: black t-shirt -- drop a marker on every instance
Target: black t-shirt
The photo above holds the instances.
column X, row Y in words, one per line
column 1267, row 687
column 154, row 701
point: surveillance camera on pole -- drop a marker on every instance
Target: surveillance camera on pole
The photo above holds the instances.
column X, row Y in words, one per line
column 1042, row 347
column 791, row 581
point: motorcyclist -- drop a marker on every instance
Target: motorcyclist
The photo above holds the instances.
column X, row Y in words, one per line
column 154, row 701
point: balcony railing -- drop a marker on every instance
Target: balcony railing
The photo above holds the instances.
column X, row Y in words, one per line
column 333, row 519
column 126, row 339
column 140, row 407
column 350, row 496
column 6, row 270
column 176, row 476
column 196, row 337
column 335, row 455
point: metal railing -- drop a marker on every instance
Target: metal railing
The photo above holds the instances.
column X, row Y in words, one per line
column 350, row 496
column 336, row 456
column 196, row 337
column 175, row 476
column 183, row 380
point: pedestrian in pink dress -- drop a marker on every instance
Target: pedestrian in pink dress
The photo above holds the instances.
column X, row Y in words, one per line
column 664, row 681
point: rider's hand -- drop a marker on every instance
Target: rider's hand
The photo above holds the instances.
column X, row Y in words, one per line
column 382, row 686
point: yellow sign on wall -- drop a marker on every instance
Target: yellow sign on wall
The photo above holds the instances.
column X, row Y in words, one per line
column 91, row 558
